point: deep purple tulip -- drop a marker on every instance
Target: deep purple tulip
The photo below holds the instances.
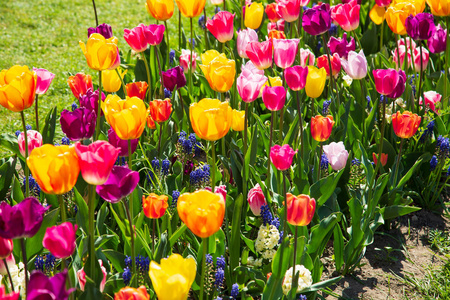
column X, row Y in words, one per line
column 400, row 87
column 117, row 142
column 90, row 100
column 317, row 20
column 420, row 27
column 103, row 29
column 341, row 46
column 174, row 77
column 42, row 287
column 78, row 124
column 437, row 43
column 121, row 182
column 22, row 220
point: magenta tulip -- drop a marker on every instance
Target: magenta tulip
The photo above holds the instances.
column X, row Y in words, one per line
column 386, row 80
column 296, row 77
column 221, row 26
column 34, row 141
column 256, row 199
column 356, row 65
column 222, row 191
column 139, row 37
column 341, row 46
column 274, row 98
column 60, row 240
column 154, row 34
column 400, row 86
column 383, row 3
column 282, row 156
column 244, row 37
column 400, row 60
column 78, row 124
column 90, row 100
column 120, row 144
column 260, row 54
column 438, row 40
column 346, row 15
column 307, row 58
column 120, row 183
column 289, row 10
column 103, row 29
column 41, row 287
column 285, row 52
column 317, row 20
column 420, row 26
column 44, row 79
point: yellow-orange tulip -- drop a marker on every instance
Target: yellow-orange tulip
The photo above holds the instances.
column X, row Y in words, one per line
column 172, row 279
column 237, row 120
column 300, row 209
column 210, row 118
column 419, row 5
column 154, row 205
column 160, row 110
column 100, row 53
column 55, row 168
column 396, row 16
column 161, row 10
column 128, row 293
column 253, row 15
column 17, row 88
column 439, row 8
column 191, row 8
column 127, row 117
column 315, row 81
column 208, row 56
column 219, row 71
column 202, row 212
column 110, row 80
column 405, row 124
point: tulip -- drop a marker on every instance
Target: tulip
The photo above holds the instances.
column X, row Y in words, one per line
column 100, row 53
column 55, row 168
column 78, row 124
column 10, row 262
column 420, row 27
column 221, row 26
column 276, row 34
column 96, row 161
column 90, row 101
column 173, row 277
column 104, row 29
column 60, row 240
column 219, row 72
column 249, row 85
column 254, row 13
column 127, row 117
column 191, row 8
column 154, row 205
column 383, row 160
column 79, row 84
column 307, row 58
column 222, row 191
column 202, row 212
column 6, row 248
column 34, row 141
column 300, row 209
column 399, row 87
column 260, row 54
column 438, row 40
column 403, row 52
column 174, row 77
column 439, row 8
column 256, row 199
column 322, row 62
column 216, row 2
column 383, row 3
column 321, row 127
column 272, row 13
column 279, row 25
column 289, row 10
column 346, row 15
column 250, row 68
column 386, row 80
column 285, row 52
column 11, row 296
column 121, row 145
column 17, row 88
column 317, row 20
column 296, row 77
column 243, row 39
column 405, row 124
column 396, row 16
column 121, row 182
column 417, row 60
column 336, row 154
column 42, row 287
column 341, row 46
column 22, row 220
column 356, row 65
column 44, row 79
column 161, row 10
column 186, row 60
column 272, row 82
column 129, row 293
column 431, row 99
column 210, row 118
column 81, row 276
column 281, row 156
column 315, row 81
column 377, row 14
column 150, row 122
column 111, row 82
column 160, row 110
column 274, row 97
column 139, row 37
column 237, row 120
column 137, row 89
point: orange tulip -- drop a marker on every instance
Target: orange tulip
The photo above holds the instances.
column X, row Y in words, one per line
column 160, row 110
column 128, row 293
column 137, row 89
column 406, row 124
column 150, row 122
column 218, row 70
column 396, row 16
column 154, row 205
column 202, row 212
column 383, row 160
column 191, row 8
column 17, row 88
column 161, row 10
column 277, row 34
column 79, row 84
column 321, row 127
column 300, row 209
column 439, row 8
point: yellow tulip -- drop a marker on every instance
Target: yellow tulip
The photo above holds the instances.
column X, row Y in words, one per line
column 127, row 117
column 111, row 81
column 100, row 53
column 377, row 14
column 210, row 118
column 237, row 120
column 17, row 88
column 161, row 10
column 274, row 81
column 172, row 279
column 396, row 16
column 253, row 15
column 208, row 56
column 191, row 8
column 219, row 72
column 439, row 8
column 419, row 5
column 315, row 81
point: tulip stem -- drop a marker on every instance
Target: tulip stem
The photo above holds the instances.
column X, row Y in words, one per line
column 91, row 206
column 153, row 235
column 330, row 71
column 294, row 282
column 133, row 255
column 280, row 134
column 445, row 102
column 285, row 226
column 161, row 126
column 364, row 110
column 244, row 180
column 420, row 81
column 62, row 208
column 299, row 109
column 9, row 274
column 205, row 30
column 150, row 89
column 121, row 80
column 25, row 135
column 168, row 44
column 320, row 161
column 381, row 38
column 36, row 112
column 99, row 108
column 213, row 166
column 398, row 162
column 25, row 263
column 179, row 30
column 270, row 143
column 191, row 60
column 300, row 33
column 205, row 249
column 160, row 70
column 95, row 12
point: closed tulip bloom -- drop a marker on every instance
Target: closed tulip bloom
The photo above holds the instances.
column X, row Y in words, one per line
column 55, row 168
column 438, row 40
column 160, row 110
column 307, row 58
column 431, row 99
column 154, row 34
column 111, row 82
column 317, row 20
column 10, row 296
column 244, row 37
column 222, row 191
column 271, row 12
column 121, row 145
column 347, row 15
column 253, row 16
column 17, row 88
column 356, row 65
column 322, row 62
column 129, row 293
column 22, row 220
column 276, row 34
column 161, row 10
column 154, row 205
column 81, row 276
column 103, row 29
column 400, row 86
column 237, row 120
column 78, row 124
column 289, row 10
column 210, row 118
column 139, row 37
column 420, row 26
column 383, row 160
column 386, row 80
column 220, row 73
column 121, row 182
column 285, row 52
column 439, row 8
column 425, row 59
column 186, row 61
column 100, row 53
column 79, row 84
column 96, row 161
column 127, row 117
column 202, row 212
column 300, row 209
column 249, row 85
column 336, row 154
column 174, row 78
column 6, row 248
column 321, row 127
column 260, row 54
column 42, row 287
column 44, row 79
column 191, row 8
column 383, row 3
column 341, row 46
column 10, row 261
column 315, row 81
column 403, row 52
column 256, row 199
column 296, row 77
column 90, row 101
column 137, row 89
column 274, row 97
column 150, row 122
column 405, row 124
column 34, row 141
column 272, row 82
column 173, row 277
column 396, row 16
column 221, row 26
column 377, row 14
column 60, row 240
column 282, row 156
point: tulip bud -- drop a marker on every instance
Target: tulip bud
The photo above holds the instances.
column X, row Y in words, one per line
column 282, row 156
column 256, row 199
column 6, row 247
column 34, row 141
column 300, row 209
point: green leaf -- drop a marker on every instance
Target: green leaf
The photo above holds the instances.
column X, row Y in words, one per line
column 176, row 235
column 116, row 258
column 324, row 188
column 235, row 239
column 83, row 211
column 6, row 176
column 9, row 141
column 321, row 233
column 394, row 211
column 422, row 158
column 48, row 132
column 338, row 245
column 321, row 285
column 34, row 244
column 16, row 192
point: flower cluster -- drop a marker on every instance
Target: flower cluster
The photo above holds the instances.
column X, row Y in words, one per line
column 304, row 279
column 267, row 240
column 200, row 177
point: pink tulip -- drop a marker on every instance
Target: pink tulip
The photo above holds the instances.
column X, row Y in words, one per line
column 289, row 10
column 336, row 154
column 356, row 65
column 346, row 15
column 256, row 199
column 307, row 58
column 216, row 2
column 260, row 54
column 425, row 58
column 285, row 52
column 279, row 25
column 296, row 77
column 250, row 68
column 139, row 37
column 249, row 85
column 222, row 191
column 409, row 43
column 274, row 98
column 402, row 49
column 60, row 240
column 382, row 3
column 185, row 60
column 6, row 247
column 44, row 79
column 431, row 99
column 96, row 161
column 81, row 275
column 282, row 156
column 386, row 80
column 10, row 261
column 244, row 37
column 154, row 34
column 34, row 141
column 221, row 26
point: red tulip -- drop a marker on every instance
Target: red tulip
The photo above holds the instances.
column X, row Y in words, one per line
column 300, row 209
column 406, row 124
column 137, row 89
column 322, row 62
column 139, row 37
column 383, row 160
column 289, row 10
column 221, row 26
column 60, row 240
column 271, row 12
column 79, row 84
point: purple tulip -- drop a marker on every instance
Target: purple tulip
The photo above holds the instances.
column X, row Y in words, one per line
column 103, row 29
column 341, row 46
column 174, row 77
column 437, row 43
column 78, row 124
column 90, row 100
column 317, row 20
column 400, row 87
column 420, row 27
column 42, row 287
column 22, row 220
column 117, row 142
column 121, row 182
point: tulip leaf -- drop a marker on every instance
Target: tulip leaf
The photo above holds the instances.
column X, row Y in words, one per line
column 338, row 245
column 366, row 163
column 394, row 211
column 116, row 258
column 176, row 235
column 48, row 132
column 9, row 141
column 369, row 41
column 16, row 191
column 235, row 239
column 6, row 176
column 34, row 244
column 325, row 187
column 321, row 233
column 424, row 157
column 162, row 249
column 83, row 212
column 321, row 285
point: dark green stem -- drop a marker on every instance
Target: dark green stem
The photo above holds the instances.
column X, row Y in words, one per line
column 285, row 227
column 213, row 166
column 160, row 70
column 62, row 208
column 320, row 159
column 121, row 80
column 398, row 161
column 270, row 143
column 206, row 30
column 420, row 79
column 153, row 235
column 445, row 102
column 133, row 255
column 91, row 203
column 9, row 274
column 25, row 263
column 161, row 126
column 150, row 88
column 294, row 282
column 191, row 59
column 168, row 43
column 95, row 12
column 299, row 109
column 99, row 108
column 36, row 112
column 179, row 30
column 205, row 249
column 280, row 134
column 25, row 135
column 244, row 181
